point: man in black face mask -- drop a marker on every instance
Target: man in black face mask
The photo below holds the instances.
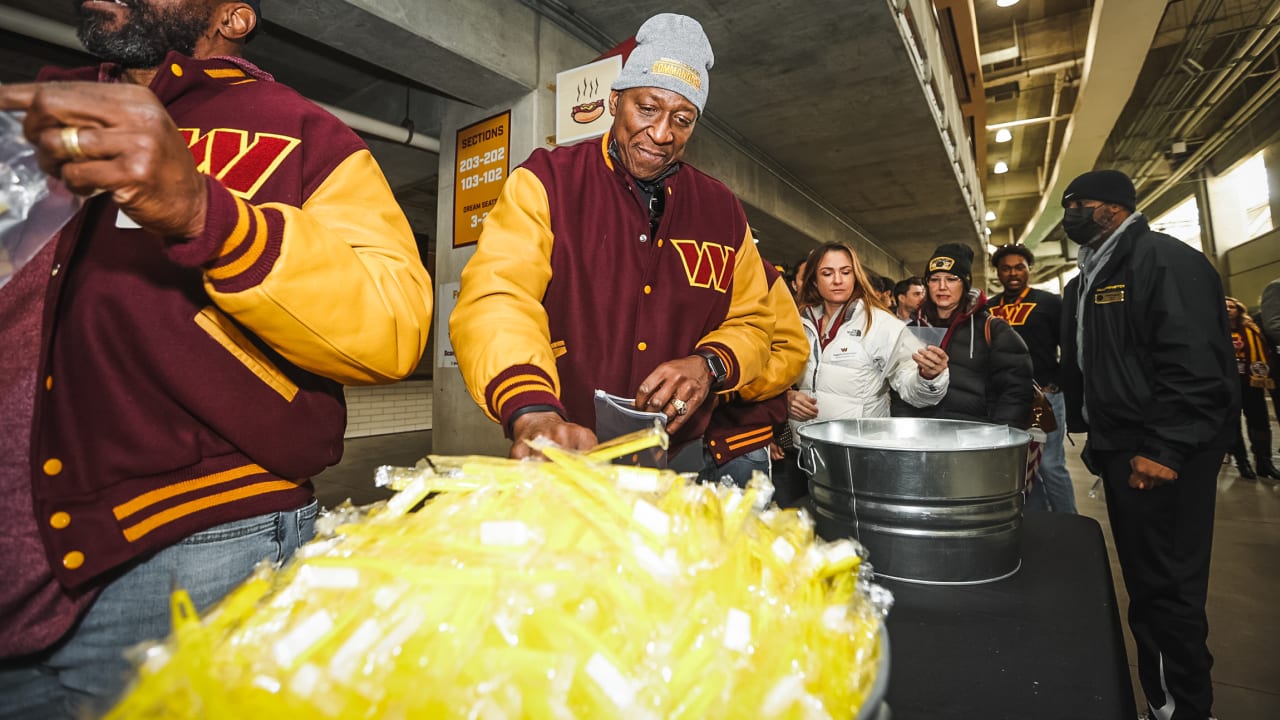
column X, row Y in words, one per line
column 1148, row 372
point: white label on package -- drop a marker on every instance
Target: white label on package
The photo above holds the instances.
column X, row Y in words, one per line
column 336, row 578
column 785, row 551
column 635, row 479
column 841, row 550
column 512, row 533
column 659, row 566
column 782, row 696
column 656, row 521
column 347, row 658
column 302, row 637
column 737, row 630
column 836, row 618
column 305, row 680
column 617, row 687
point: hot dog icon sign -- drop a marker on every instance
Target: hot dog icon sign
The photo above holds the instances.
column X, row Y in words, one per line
column 590, row 109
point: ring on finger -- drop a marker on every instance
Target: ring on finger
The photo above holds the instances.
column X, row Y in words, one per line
column 70, row 136
column 681, row 406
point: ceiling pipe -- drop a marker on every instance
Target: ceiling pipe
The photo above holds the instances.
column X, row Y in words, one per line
column 1253, row 51
column 1169, row 92
column 56, row 33
column 999, row 78
column 1058, row 81
column 1052, row 118
column 1234, row 124
column 1257, row 47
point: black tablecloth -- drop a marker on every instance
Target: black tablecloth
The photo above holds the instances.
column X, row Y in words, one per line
column 1044, row 644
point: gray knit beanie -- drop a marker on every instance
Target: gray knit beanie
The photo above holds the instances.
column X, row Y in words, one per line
column 671, row 53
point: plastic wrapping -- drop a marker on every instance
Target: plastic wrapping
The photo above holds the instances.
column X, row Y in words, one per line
column 33, row 208
column 568, row 588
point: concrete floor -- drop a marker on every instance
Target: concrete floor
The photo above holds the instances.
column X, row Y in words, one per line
column 1244, row 589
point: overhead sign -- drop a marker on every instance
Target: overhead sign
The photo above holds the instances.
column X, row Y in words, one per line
column 582, row 100
column 483, row 156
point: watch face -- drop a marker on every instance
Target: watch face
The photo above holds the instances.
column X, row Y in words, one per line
column 716, row 364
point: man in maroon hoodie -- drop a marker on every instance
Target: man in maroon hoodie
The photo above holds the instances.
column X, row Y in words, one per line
column 171, row 365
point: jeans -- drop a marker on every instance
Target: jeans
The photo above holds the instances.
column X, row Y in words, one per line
column 1053, row 480
column 84, row 674
column 738, row 470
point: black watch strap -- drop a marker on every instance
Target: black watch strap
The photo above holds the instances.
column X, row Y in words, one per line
column 716, row 366
column 511, row 422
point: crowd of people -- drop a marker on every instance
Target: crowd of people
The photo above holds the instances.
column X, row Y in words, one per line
column 172, row 363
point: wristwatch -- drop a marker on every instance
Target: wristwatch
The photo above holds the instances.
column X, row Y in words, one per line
column 716, row 366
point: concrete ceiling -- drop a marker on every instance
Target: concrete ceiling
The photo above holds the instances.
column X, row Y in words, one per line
column 1208, row 62
column 823, row 92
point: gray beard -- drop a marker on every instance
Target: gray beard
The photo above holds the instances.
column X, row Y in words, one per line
column 145, row 38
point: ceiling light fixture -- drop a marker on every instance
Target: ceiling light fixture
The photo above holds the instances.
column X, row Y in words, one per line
column 987, row 231
column 1003, row 135
column 991, row 249
column 1006, row 3
column 1001, row 167
column 991, row 216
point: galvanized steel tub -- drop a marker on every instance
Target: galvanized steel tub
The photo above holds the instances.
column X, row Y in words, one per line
column 933, row 501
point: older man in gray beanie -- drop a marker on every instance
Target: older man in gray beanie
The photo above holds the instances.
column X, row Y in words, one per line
column 611, row 265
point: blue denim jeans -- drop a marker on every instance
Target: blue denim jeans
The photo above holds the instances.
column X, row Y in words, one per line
column 738, row 469
column 83, row 675
column 1052, row 490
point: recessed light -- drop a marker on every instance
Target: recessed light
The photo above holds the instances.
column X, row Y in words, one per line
column 1001, row 167
column 1003, row 135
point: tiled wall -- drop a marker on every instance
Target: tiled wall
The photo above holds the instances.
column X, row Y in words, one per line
column 386, row 409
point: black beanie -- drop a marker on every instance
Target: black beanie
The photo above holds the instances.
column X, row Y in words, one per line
column 1108, row 186
column 954, row 258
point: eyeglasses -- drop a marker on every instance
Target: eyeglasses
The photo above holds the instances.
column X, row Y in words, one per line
column 940, row 279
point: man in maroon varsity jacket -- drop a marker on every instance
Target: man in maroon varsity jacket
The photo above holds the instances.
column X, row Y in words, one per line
column 612, row 265
column 171, row 366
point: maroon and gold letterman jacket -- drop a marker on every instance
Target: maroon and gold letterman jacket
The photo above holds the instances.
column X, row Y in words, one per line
column 567, row 292
column 189, row 382
column 744, row 421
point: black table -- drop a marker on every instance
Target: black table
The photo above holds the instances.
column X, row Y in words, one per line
column 1045, row 643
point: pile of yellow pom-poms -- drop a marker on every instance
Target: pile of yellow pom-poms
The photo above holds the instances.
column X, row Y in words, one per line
column 562, row 589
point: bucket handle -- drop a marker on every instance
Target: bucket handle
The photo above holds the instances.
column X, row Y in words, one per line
column 810, row 452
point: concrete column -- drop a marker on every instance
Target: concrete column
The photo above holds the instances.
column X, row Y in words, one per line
column 1226, row 218
column 1204, row 209
column 1271, row 158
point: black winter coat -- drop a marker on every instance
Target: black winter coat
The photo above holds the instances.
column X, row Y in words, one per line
column 990, row 383
column 1159, row 372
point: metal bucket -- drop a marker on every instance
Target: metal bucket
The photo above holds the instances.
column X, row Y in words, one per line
column 933, row 501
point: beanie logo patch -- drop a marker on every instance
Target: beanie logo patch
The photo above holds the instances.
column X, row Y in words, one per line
column 941, row 263
column 678, row 70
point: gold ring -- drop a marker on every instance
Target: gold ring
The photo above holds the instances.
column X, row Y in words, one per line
column 71, row 143
column 681, row 406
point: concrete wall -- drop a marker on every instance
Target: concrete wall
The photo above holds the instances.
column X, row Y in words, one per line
column 384, row 409
column 1249, row 267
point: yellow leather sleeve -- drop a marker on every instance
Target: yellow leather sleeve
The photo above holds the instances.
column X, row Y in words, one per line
column 499, row 321
column 789, row 350
column 348, row 298
column 748, row 325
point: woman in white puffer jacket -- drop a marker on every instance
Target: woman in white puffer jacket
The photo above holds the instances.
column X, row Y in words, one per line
column 857, row 349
